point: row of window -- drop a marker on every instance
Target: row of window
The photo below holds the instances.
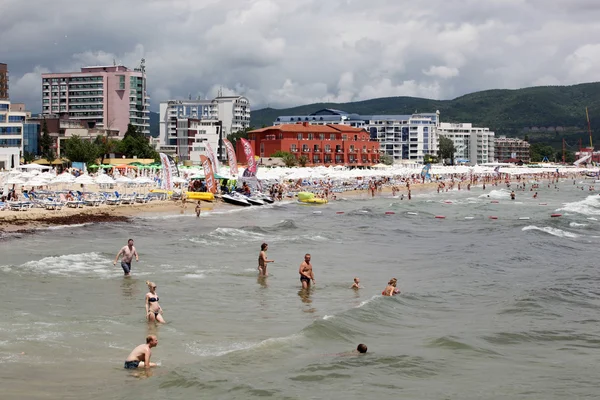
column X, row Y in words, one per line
column 10, row 142
column 77, row 79
column 10, row 130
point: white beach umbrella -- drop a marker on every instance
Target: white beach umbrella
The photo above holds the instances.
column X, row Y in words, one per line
column 33, row 166
column 34, row 182
column 123, row 179
column 142, row 180
column 178, row 179
column 47, row 175
column 85, row 180
column 104, row 179
column 63, row 178
column 14, row 180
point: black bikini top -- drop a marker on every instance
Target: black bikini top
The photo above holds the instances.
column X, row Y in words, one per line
column 152, row 299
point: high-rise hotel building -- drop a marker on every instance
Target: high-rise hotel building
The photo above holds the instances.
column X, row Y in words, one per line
column 109, row 97
column 3, row 82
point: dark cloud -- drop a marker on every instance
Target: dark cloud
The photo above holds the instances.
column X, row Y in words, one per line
column 284, row 52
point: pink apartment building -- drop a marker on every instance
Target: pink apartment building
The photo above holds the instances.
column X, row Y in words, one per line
column 109, row 97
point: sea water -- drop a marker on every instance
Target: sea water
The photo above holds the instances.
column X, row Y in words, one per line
column 490, row 308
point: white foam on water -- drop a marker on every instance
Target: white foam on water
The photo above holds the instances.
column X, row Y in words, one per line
column 195, row 276
column 589, row 206
column 577, row 225
column 328, row 317
column 219, row 349
column 363, row 303
column 552, row 231
column 497, row 194
column 592, row 219
column 58, row 227
column 91, row 264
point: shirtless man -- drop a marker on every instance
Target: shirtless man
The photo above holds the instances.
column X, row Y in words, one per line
column 128, row 252
column 140, row 356
column 306, row 272
column 262, row 260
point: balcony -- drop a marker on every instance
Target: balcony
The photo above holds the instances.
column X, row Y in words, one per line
column 317, row 150
column 305, row 150
column 294, row 150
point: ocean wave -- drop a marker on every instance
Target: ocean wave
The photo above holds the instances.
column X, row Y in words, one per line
column 552, row 231
column 92, row 264
column 589, row 206
column 577, row 225
column 501, row 194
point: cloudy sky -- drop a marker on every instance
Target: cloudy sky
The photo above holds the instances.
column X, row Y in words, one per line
column 291, row 52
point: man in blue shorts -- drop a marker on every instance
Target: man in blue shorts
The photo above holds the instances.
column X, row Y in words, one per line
column 140, row 356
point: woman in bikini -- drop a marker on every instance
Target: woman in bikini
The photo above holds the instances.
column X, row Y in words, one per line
column 153, row 309
column 391, row 290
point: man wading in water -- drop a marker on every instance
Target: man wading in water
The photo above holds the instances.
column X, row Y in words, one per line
column 306, row 272
column 128, row 252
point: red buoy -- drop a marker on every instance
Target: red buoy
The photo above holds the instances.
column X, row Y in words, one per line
column 339, row 212
column 493, row 217
column 495, row 202
column 448, row 202
column 389, row 213
column 555, row 215
column 440, row 217
column 543, row 204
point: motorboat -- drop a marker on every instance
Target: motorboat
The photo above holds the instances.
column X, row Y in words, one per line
column 267, row 199
column 255, row 201
column 236, row 199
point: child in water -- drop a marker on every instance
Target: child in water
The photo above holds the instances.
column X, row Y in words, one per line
column 356, row 284
column 198, row 209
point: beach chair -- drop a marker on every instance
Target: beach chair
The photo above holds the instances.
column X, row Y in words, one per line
column 70, row 203
column 111, row 199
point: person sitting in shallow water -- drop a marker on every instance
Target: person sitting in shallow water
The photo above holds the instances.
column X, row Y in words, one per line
column 391, row 289
column 356, row 284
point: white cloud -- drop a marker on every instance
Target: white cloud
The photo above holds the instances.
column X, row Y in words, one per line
column 292, row 52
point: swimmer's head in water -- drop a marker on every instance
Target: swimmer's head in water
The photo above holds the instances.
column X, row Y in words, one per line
column 356, row 280
column 393, row 282
column 362, row 348
column 264, row 246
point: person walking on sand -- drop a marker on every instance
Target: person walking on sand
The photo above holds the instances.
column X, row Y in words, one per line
column 140, row 356
column 153, row 309
column 128, row 252
column 263, row 261
column 198, row 209
column 306, row 272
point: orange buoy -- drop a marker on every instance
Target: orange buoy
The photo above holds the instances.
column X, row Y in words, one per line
column 440, row 217
column 555, row 215
column 389, row 213
column 493, row 217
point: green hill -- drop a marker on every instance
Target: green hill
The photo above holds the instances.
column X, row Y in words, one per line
column 506, row 112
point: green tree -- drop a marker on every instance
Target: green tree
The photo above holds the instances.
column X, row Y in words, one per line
column 539, row 151
column 280, row 154
column 78, row 150
column 386, row 159
column 135, row 144
column 45, row 140
column 243, row 133
column 50, row 157
column 446, row 149
column 430, row 159
column 289, row 159
column 303, row 160
column 28, row 157
column 105, row 146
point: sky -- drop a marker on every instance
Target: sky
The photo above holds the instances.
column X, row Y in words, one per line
column 283, row 53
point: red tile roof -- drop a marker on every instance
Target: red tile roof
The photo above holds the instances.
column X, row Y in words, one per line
column 299, row 128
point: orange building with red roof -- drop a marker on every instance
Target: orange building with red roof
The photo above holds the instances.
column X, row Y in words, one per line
column 321, row 144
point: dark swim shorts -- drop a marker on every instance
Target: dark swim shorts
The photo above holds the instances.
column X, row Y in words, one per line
column 304, row 279
column 126, row 267
column 132, row 364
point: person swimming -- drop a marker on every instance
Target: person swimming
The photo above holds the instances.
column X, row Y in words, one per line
column 361, row 348
column 391, row 289
column 356, row 284
column 153, row 309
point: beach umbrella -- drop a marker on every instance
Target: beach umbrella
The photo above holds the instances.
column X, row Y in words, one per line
column 63, row 178
column 104, row 179
column 178, row 179
column 33, row 166
column 85, row 180
column 142, row 180
column 123, row 179
column 36, row 182
column 46, row 176
column 14, row 180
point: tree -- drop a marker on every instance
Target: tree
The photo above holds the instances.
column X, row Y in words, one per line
column 289, row 159
column 430, row 159
column 135, row 144
column 539, row 151
column 45, row 140
column 446, row 149
column 78, row 150
column 28, row 157
column 50, row 157
column 243, row 133
column 386, row 159
column 105, row 146
column 280, row 154
column 303, row 160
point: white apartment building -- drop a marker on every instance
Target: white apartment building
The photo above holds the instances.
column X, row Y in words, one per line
column 192, row 137
column 473, row 145
column 17, row 135
column 220, row 117
column 407, row 138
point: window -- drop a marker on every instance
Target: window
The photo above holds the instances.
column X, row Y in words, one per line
column 299, row 136
column 332, row 136
column 322, row 136
column 310, row 136
column 327, row 148
column 344, row 137
column 305, row 148
column 293, row 148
